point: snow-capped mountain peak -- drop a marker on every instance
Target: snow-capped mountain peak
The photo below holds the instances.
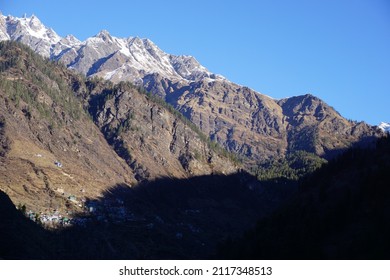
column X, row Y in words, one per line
column 3, row 29
column 72, row 40
column 104, row 35
column 30, row 31
column 104, row 55
column 384, row 126
column 34, row 23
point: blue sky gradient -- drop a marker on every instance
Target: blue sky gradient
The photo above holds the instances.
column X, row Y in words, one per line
column 338, row 50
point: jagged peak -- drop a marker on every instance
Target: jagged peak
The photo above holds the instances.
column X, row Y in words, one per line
column 9, row 17
column 187, row 60
column 103, row 32
column 136, row 40
column 70, row 39
column 309, row 95
column 301, row 98
column 186, row 57
column 147, row 41
column 34, row 18
column 104, row 35
column 2, row 17
column 149, row 44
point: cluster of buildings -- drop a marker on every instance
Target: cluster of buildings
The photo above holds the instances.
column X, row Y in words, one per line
column 110, row 210
column 52, row 219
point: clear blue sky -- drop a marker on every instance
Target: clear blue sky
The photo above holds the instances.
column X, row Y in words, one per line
column 338, row 50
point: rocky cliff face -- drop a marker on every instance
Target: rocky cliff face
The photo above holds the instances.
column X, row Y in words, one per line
column 154, row 140
column 314, row 126
column 240, row 119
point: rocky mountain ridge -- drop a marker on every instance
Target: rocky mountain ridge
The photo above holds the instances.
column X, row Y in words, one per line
column 244, row 121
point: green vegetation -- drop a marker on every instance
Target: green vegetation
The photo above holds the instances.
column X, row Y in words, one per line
column 305, row 139
column 125, row 125
column 22, row 208
column 4, row 141
column 294, row 166
column 38, row 82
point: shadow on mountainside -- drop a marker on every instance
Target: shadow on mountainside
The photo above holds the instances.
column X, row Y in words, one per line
column 163, row 219
column 20, row 238
column 341, row 211
column 366, row 142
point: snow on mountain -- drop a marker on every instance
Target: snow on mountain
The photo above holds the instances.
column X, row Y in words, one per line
column 3, row 29
column 30, row 31
column 133, row 58
column 104, row 55
column 384, row 126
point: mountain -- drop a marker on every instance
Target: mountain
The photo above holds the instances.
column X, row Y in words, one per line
column 134, row 167
column 95, row 170
column 65, row 138
column 29, row 31
column 114, row 58
column 247, row 123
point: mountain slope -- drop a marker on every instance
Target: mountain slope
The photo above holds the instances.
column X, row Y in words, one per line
column 43, row 123
column 53, row 155
column 154, row 139
column 316, row 127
